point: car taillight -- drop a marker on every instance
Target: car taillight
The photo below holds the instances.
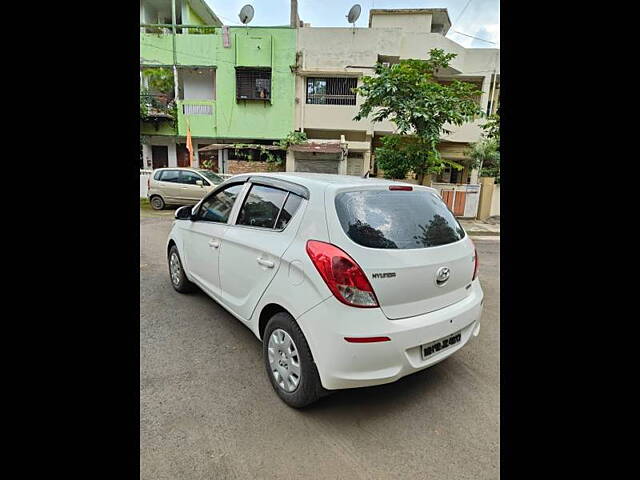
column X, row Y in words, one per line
column 342, row 274
column 475, row 266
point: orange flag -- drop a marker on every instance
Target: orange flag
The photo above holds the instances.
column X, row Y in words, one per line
column 189, row 145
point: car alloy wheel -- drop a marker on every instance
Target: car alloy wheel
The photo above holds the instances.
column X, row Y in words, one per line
column 284, row 360
column 176, row 270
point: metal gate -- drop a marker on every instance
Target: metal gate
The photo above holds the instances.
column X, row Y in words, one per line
column 462, row 199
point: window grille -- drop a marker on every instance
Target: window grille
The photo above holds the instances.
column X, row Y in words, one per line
column 331, row 91
column 253, row 83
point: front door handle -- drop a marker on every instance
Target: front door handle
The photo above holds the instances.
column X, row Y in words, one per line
column 265, row 263
column 214, row 243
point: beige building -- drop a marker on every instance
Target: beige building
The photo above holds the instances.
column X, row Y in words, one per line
column 331, row 61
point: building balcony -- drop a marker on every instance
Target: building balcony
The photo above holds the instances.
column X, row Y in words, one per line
column 190, row 49
column 199, row 116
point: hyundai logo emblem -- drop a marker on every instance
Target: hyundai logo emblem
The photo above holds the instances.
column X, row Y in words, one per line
column 442, row 275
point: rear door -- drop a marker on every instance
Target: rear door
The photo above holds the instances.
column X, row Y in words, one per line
column 414, row 252
column 253, row 246
column 169, row 186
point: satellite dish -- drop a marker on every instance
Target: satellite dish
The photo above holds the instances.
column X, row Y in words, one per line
column 246, row 14
column 354, row 14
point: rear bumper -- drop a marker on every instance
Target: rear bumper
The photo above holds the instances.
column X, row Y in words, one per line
column 348, row 365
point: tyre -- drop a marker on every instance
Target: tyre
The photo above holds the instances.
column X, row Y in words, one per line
column 178, row 278
column 157, row 203
column 290, row 366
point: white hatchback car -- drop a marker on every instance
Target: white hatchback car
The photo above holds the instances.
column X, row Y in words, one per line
column 348, row 282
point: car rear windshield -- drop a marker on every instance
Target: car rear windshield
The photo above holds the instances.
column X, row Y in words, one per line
column 397, row 219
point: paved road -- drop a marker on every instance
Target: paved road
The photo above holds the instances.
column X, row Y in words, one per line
column 207, row 409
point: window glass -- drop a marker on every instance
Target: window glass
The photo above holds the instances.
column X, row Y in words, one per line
column 170, row 176
column 261, row 207
column 189, row 178
column 157, row 175
column 397, row 219
column 215, row 179
column 218, row 207
column 288, row 211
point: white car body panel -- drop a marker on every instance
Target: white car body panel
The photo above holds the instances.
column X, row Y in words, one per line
column 413, row 310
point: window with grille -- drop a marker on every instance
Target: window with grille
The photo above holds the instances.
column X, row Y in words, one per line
column 253, row 83
column 331, row 91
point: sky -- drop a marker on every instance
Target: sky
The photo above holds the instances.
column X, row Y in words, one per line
column 480, row 18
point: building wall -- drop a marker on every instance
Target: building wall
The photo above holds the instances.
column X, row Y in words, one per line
column 495, row 201
column 231, row 118
column 340, row 51
column 235, row 167
column 408, row 22
column 198, row 85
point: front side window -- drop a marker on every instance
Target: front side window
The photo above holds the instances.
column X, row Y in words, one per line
column 261, row 207
column 215, row 179
column 172, row 176
column 397, row 219
column 331, row 91
column 217, row 208
column 190, row 178
column 253, row 83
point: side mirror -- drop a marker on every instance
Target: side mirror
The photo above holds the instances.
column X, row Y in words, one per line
column 184, row 213
column 199, row 182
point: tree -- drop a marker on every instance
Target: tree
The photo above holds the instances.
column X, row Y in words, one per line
column 408, row 94
column 485, row 154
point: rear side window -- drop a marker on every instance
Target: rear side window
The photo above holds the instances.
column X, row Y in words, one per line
column 262, row 206
column 288, row 211
column 218, row 207
column 170, row 176
column 397, row 219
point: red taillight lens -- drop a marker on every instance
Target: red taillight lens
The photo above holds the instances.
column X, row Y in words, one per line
column 475, row 266
column 367, row 339
column 401, row 187
column 342, row 274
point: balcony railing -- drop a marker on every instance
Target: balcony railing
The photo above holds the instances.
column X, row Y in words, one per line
column 189, row 45
column 198, row 116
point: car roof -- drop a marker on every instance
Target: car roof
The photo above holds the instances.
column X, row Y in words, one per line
column 323, row 181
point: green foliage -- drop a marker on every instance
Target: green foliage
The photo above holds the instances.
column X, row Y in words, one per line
column 160, row 80
column 207, row 30
column 485, row 154
column 492, row 128
column 292, row 138
column 403, row 154
column 408, row 95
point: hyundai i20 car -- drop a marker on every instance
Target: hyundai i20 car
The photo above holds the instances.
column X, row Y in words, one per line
column 347, row 282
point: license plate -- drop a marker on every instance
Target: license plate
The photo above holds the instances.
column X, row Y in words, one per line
column 429, row 349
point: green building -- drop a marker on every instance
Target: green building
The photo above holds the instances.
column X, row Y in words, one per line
column 229, row 86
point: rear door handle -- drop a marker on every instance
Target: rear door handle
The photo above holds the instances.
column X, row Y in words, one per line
column 265, row 263
column 214, row 243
